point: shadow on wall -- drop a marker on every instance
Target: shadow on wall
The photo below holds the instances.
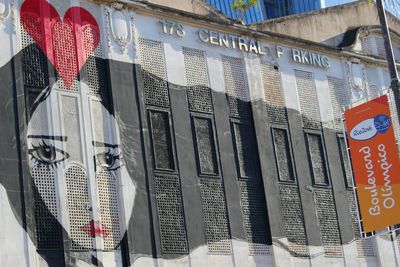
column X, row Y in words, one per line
column 50, row 237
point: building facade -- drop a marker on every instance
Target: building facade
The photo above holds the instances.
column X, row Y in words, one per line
column 271, row 9
column 252, row 15
column 267, row 9
column 134, row 134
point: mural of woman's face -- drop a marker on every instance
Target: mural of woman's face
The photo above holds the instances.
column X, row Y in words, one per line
column 77, row 167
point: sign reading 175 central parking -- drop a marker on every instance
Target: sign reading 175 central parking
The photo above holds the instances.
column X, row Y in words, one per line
column 375, row 163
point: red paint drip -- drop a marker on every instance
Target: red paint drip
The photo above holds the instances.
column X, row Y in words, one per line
column 68, row 42
column 95, row 229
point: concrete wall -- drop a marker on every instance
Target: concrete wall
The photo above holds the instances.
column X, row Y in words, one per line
column 327, row 25
column 192, row 6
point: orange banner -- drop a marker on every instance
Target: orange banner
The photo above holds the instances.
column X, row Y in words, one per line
column 375, row 163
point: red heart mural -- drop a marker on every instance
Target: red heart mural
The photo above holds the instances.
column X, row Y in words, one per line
column 67, row 42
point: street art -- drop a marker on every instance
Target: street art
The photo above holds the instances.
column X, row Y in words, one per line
column 110, row 163
column 81, row 158
column 67, row 42
column 73, row 139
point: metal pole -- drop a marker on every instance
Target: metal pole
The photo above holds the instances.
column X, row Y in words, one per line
column 394, row 84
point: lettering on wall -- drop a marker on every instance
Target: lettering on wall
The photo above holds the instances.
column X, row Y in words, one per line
column 305, row 57
column 171, row 27
column 230, row 41
column 243, row 43
column 309, row 58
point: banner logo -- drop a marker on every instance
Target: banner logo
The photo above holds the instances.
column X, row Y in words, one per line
column 368, row 128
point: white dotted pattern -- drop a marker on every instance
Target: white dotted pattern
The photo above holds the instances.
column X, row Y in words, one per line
column 106, row 185
column 78, row 208
column 308, row 99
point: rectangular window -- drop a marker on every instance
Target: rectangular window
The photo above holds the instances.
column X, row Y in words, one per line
column 317, row 159
column 205, row 145
column 345, row 162
column 246, row 150
column 283, row 154
column 161, row 138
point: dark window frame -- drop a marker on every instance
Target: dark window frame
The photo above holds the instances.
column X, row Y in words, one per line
column 290, row 154
column 156, row 169
column 340, row 136
column 210, row 117
column 327, row 183
column 257, row 173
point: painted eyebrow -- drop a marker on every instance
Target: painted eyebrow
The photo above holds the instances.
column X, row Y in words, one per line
column 102, row 144
column 52, row 137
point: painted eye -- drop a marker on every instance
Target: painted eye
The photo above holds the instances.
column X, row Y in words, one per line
column 108, row 161
column 47, row 154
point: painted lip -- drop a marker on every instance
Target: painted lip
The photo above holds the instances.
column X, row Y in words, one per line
column 95, row 229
